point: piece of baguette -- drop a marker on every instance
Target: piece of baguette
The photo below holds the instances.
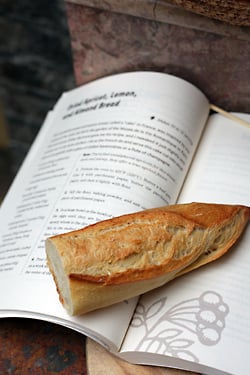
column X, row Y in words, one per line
column 122, row 257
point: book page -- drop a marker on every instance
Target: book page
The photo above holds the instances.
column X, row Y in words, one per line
column 117, row 145
column 203, row 317
column 220, row 170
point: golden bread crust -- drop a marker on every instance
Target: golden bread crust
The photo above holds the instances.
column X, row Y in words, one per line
column 134, row 253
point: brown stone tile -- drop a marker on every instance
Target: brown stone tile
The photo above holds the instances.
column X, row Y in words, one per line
column 31, row 347
column 104, row 42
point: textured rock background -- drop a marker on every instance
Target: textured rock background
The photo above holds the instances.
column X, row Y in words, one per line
column 35, row 68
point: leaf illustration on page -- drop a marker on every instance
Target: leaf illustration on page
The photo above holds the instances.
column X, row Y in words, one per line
column 167, row 342
column 203, row 316
column 142, row 314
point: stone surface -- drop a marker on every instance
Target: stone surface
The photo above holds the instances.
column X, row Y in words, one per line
column 30, row 347
column 175, row 12
column 35, row 67
column 105, row 42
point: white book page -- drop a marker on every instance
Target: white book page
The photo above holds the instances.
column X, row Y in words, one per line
column 220, row 171
column 204, row 316
column 117, row 145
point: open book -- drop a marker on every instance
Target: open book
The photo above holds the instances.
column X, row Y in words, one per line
column 118, row 145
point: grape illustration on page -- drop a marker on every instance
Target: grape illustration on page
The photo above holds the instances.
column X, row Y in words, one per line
column 164, row 330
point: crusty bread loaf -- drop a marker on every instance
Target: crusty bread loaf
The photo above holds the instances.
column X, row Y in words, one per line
column 119, row 258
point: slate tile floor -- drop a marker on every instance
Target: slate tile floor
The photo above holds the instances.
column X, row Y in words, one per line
column 35, row 68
